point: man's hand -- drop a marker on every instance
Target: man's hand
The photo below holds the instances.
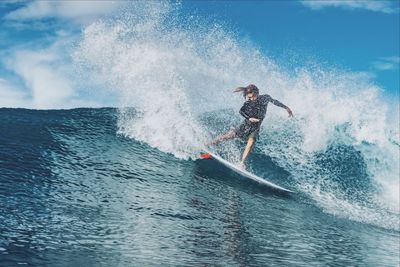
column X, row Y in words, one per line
column 290, row 112
column 254, row 120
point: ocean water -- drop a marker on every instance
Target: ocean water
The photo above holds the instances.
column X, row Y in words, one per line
column 123, row 186
column 75, row 192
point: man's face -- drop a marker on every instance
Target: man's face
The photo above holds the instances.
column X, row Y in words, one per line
column 251, row 96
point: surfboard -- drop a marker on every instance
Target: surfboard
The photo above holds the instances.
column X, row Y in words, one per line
column 242, row 172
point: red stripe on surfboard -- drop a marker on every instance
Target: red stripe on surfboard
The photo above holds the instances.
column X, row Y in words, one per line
column 205, row 155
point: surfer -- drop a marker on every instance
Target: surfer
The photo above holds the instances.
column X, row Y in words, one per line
column 253, row 110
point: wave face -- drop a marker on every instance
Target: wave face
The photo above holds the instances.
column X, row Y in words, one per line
column 178, row 72
column 74, row 192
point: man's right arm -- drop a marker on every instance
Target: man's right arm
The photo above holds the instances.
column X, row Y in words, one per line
column 247, row 117
column 243, row 113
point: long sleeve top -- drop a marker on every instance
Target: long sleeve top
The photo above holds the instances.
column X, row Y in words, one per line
column 258, row 108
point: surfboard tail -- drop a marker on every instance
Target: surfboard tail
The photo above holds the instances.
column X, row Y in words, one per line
column 205, row 155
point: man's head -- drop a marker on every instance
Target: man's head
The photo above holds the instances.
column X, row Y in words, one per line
column 251, row 92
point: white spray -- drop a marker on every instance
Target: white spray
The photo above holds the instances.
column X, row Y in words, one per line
column 173, row 70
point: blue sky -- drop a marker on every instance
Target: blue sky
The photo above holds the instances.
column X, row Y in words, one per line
column 359, row 38
column 355, row 35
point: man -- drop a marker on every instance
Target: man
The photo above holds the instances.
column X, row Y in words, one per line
column 253, row 110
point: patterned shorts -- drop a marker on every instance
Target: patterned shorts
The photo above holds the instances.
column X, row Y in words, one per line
column 247, row 131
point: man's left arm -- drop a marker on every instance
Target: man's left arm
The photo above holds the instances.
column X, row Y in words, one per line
column 279, row 104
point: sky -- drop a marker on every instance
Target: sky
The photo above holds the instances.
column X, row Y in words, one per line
column 36, row 39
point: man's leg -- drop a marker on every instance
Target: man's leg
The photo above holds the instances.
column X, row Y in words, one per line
column 226, row 136
column 247, row 150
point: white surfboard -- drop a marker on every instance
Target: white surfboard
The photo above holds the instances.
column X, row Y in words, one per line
column 246, row 173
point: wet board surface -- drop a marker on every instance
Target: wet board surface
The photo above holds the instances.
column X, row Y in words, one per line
column 244, row 173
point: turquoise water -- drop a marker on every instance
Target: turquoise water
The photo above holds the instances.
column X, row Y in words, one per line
column 74, row 192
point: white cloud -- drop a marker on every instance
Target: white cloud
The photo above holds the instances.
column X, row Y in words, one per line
column 47, row 79
column 11, row 96
column 377, row 6
column 78, row 11
column 43, row 75
column 42, row 67
column 387, row 63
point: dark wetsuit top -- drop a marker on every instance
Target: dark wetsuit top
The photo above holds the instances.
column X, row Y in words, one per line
column 255, row 109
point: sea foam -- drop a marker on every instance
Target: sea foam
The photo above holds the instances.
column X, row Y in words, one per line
column 172, row 69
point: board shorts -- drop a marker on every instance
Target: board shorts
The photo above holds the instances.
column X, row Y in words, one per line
column 247, row 131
